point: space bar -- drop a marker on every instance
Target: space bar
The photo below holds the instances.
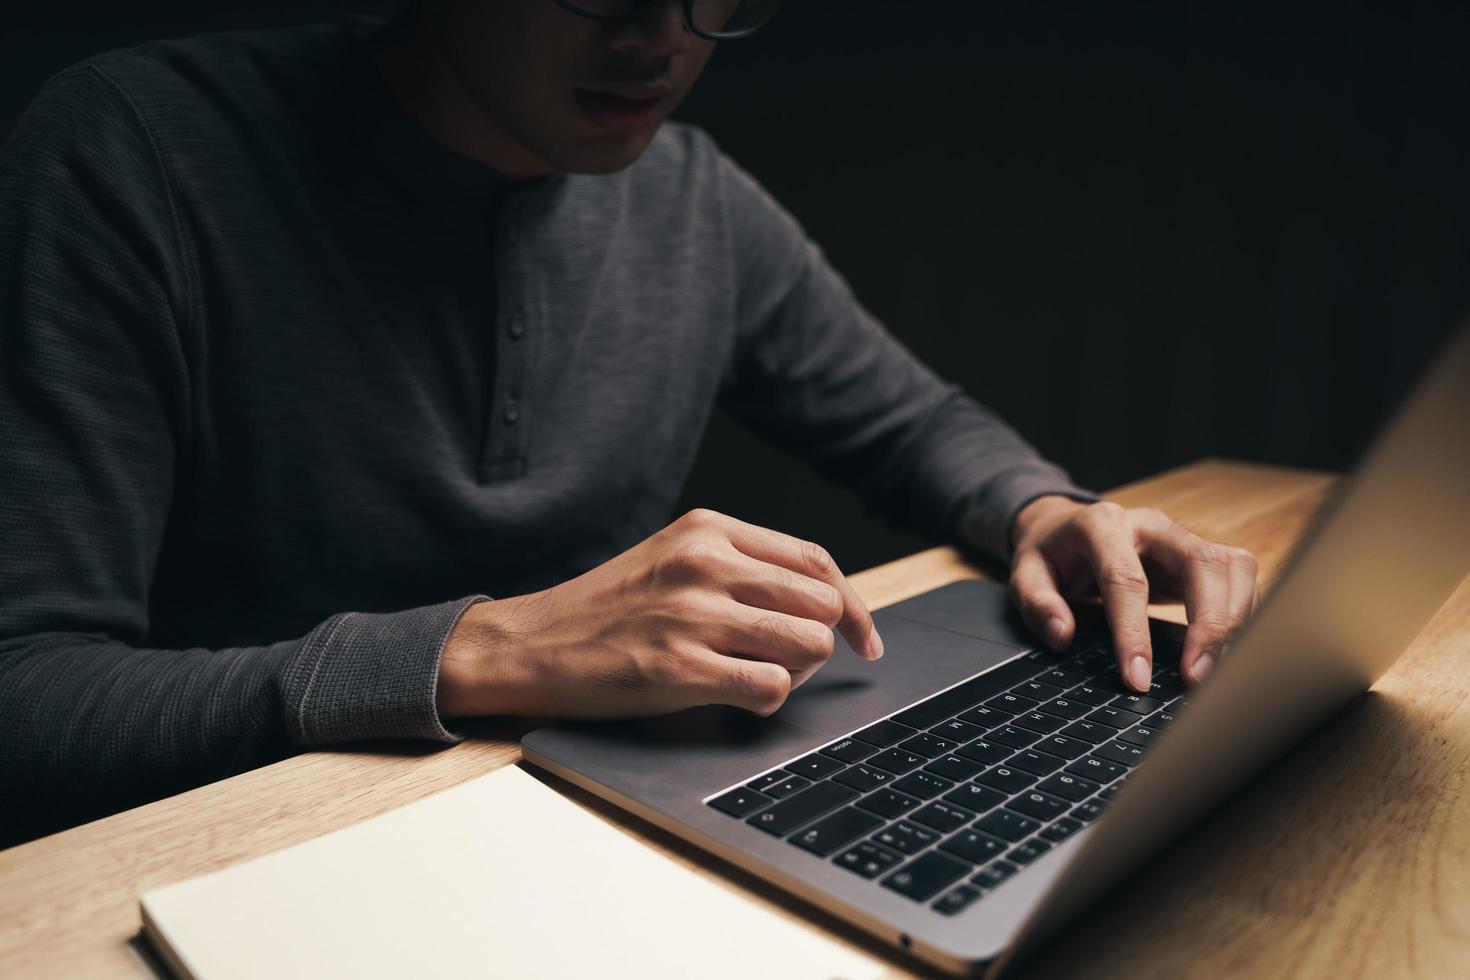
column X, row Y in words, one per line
column 948, row 703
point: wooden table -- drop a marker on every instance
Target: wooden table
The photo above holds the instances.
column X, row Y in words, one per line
column 1349, row 858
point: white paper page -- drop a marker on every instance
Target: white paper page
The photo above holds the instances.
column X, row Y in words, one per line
column 498, row 877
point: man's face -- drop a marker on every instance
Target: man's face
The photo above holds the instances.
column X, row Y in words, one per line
column 578, row 95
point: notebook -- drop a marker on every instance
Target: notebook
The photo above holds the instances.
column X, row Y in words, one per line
column 500, row 876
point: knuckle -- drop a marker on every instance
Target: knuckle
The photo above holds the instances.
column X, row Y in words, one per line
column 700, row 518
column 764, row 691
column 1212, row 556
column 829, row 603
column 1124, row 576
column 816, row 558
column 1244, row 558
column 1108, row 510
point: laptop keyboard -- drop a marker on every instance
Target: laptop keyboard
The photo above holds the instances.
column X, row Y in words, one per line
column 950, row 797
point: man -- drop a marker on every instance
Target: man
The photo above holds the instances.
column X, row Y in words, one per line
column 312, row 340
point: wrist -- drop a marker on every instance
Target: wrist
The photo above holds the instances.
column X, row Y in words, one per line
column 1041, row 513
column 475, row 666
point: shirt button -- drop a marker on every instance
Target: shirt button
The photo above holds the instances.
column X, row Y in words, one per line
column 512, row 411
column 512, row 235
column 516, row 327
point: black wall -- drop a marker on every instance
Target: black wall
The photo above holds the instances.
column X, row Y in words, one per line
column 1144, row 232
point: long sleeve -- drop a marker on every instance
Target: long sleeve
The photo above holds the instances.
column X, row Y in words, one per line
column 815, row 373
column 95, row 433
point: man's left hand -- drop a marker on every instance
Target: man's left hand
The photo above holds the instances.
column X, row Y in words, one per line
column 1067, row 548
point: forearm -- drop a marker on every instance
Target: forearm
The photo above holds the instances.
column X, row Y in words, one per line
column 90, row 726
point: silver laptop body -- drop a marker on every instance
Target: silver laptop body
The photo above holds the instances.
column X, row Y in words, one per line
column 1382, row 557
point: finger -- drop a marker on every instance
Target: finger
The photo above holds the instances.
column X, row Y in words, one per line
column 761, row 634
column 811, row 560
column 1034, row 591
column 1245, row 594
column 1118, row 572
column 1204, row 569
column 765, row 586
column 755, row 685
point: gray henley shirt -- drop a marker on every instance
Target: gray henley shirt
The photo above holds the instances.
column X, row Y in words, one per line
column 286, row 385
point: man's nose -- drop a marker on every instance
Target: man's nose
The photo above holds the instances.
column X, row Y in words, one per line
column 657, row 30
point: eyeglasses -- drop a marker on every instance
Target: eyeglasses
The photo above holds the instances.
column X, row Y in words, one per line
column 713, row 20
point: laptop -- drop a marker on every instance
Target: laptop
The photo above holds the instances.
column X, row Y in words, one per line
column 964, row 796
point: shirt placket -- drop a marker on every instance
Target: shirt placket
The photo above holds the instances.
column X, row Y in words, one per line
column 507, row 430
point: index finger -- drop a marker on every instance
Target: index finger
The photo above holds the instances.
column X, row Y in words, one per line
column 806, row 558
column 1123, row 584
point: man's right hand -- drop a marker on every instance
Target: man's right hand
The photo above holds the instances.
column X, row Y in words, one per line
column 710, row 610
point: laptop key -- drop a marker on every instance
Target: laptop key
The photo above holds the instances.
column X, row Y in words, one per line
column 924, row 785
column 959, row 731
column 1064, row 708
column 954, row 768
column 887, row 803
column 834, row 830
column 1069, row 787
column 925, row 875
column 814, row 766
column 1037, row 690
column 1121, row 752
column 927, row 745
column 993, row 874
column 1159, row 719
column 1138, row 735
column 862, row 778
column 955, row 900
column 1005, row 779
column 848, row 750
column 1011, row 703
column 897, row 761
column 760, row 783
column 1064, row 746
column 1089, row 731
column 973, row 846
column 1016, row 738
column 1061, row 830
column 868, row 860
column 803, row 807
column 1062, row 677
column 943, row 817
column 787, row 786
column 1115, row 717
column 1035, row 721
column 1089, row 811
column 905, row 837
column 1038, row 805
column 1034, row 762
column 1007, row 824
column 1137, row 703
column 1088, row 694
column 982, row 751
column 1029, row 851
column 984, row 717
column 973, row 796
column 947, row 704
column 1098, row 770
column 739, row 802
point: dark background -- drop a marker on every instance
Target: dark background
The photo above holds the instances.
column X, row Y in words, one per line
column 1143, row 232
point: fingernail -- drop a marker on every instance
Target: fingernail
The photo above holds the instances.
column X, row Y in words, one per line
column 1139, row 673
column 875, row 644
column 1055, row 631
column 1203, row 666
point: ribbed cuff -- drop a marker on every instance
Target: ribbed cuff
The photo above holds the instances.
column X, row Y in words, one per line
column 371, row 675
column 987, row 522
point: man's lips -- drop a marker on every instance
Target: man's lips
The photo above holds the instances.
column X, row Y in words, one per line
column 624, row 105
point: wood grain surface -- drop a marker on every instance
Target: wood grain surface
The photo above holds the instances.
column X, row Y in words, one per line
column 1351, row 857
